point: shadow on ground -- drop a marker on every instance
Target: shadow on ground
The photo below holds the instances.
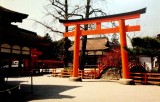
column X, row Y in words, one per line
column 40, row 92
column 10, row 92
column 49, row 92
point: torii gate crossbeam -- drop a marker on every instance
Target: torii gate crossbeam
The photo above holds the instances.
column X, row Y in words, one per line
column 122, row 29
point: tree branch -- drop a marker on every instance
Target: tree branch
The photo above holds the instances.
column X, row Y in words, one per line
column 70, row 15
column 56, row 5
column 76, row 9
column 97, row 11
column 60, row 13
column 58, row 2
column 49, row 13
column 48, row 27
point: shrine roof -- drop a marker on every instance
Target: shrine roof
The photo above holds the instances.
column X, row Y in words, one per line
column 93, row 44
column 11, row 16
column 140, row 11
column 18, row 36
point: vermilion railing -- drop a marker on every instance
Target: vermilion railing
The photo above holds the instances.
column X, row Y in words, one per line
column 112, row 58
column 146, row 78
column 135, row 63
column 84, row 74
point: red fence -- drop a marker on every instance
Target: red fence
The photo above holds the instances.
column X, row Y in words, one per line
column 146, row 78
column 84, row 74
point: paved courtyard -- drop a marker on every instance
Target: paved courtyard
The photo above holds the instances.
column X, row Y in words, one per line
column 53, row 89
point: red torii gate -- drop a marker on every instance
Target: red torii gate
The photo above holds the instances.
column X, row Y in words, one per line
column 122, row 29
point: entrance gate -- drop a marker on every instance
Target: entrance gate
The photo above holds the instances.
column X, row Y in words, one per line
column 122, row 29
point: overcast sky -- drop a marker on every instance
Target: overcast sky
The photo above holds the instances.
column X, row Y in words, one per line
column 150, row 21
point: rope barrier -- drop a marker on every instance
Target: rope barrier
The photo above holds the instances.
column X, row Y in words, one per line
column 10, row 89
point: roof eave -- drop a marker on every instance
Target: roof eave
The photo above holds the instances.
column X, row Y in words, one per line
column 140, row 11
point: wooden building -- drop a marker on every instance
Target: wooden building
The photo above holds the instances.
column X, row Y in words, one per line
column 95, row 50
column 15, row 43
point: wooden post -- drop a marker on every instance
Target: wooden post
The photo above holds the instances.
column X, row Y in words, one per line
column 145, row 78
column 124, row 54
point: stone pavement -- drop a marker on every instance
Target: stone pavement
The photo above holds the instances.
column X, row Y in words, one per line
column 53, row 89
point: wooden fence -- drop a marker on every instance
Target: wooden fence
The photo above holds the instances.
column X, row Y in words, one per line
column 143, row 78
column 146, row 78
column 84, row 74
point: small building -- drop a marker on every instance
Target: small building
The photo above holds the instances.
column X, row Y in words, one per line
column 95, row 50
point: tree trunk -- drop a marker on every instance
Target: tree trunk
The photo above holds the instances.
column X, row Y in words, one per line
column 84, row 39
column 66, row 53
column 82, row 54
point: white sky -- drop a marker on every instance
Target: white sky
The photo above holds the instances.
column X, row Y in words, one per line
column 150, row 21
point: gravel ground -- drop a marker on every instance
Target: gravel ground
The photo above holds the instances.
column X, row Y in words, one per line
column 53, row 89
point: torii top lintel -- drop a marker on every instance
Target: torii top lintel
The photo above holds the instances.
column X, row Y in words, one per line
column 99, row 20
column 127, row 15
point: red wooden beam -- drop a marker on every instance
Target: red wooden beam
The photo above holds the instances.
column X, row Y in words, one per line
column 102, row 20
column 104, row 31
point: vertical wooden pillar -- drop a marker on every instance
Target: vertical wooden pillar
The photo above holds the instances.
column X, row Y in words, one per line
column 124, row 55
column 77, row 34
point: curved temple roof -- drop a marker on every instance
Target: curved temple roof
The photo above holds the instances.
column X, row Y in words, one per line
column 140, row 11
column 11, row 16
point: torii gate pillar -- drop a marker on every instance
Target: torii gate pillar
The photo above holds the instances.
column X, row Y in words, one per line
column 124, row 54
column 122, row 29
column 77, row 34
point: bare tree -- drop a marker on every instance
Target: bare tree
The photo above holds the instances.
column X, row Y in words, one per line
column 58, row 9
column 90, row 11
column 62, row 9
